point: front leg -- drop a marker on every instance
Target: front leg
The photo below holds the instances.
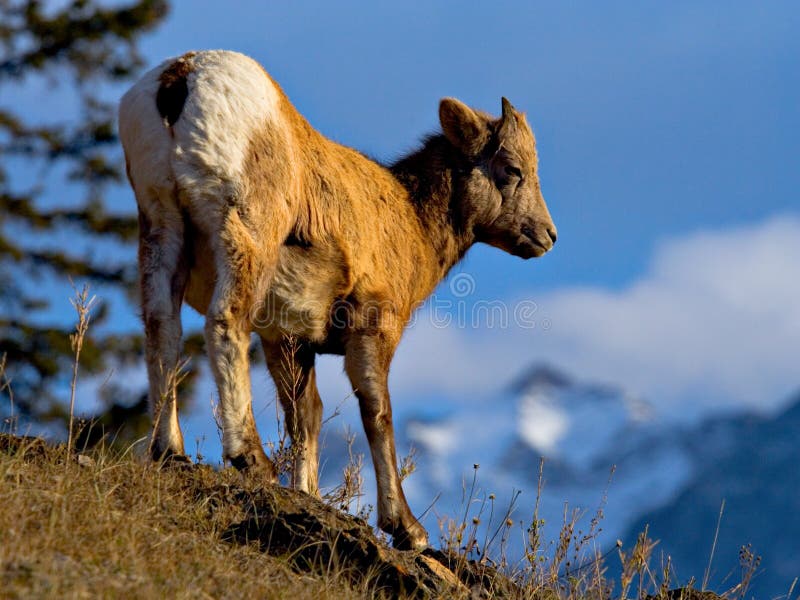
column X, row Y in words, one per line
column 367, row 359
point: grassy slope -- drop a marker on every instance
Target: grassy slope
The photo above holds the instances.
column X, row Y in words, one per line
column 121, row 528
column 106, row 525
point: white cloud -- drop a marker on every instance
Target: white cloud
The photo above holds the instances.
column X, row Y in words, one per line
column 714, row 323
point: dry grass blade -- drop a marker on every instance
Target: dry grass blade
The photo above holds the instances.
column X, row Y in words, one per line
column 707, row 573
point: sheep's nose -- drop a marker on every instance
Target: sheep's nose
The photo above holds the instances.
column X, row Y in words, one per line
column 551, row 231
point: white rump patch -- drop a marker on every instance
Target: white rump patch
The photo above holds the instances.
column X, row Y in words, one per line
column 230, row 98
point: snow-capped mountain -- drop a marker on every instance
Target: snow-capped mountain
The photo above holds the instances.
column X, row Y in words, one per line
column 582, row 430
column 574, row 424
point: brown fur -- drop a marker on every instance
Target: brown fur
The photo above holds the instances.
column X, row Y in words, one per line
column 327, row 251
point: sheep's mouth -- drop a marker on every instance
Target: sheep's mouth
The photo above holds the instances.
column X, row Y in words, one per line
column 529, row 245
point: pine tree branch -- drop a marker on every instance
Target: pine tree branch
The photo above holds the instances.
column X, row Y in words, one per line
column 72, row 37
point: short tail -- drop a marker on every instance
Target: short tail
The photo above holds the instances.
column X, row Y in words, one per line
column 173, row 90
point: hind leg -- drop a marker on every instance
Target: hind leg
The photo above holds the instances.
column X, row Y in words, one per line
column 163, row 276
column 242, row 274
column 291, row 365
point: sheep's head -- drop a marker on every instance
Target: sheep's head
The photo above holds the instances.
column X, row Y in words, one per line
column 499, row 193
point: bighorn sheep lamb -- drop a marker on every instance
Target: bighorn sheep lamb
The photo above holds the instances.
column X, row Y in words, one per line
column 263, row 225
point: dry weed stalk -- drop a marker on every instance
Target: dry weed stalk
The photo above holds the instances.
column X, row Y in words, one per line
column 283, row 453
column 175, row 376
column 5, row 386
column 83, row 306
column 791, row 589
column 565, row 537
column 749, row 562
column 352, row 486
column 635, row 563
column 707, row 573
column 408, row 463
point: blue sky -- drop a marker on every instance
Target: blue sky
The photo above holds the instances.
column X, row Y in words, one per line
column 669, row 155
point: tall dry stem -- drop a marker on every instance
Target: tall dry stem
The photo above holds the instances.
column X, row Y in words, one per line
column 707, row 574
column 534, row 539
column 83, row 305
column 174, row 378
column 749, row 562
column 5, row 386
column 635, row 562
column 284, row 452
column 352, row 486
column 408, row 463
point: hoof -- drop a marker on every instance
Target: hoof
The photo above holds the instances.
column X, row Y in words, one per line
column 169, row 459
column 177, row 462
column 410, row 538
column 255, row 464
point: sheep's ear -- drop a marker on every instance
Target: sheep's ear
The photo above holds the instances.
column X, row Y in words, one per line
column 464, row 128
column 508, row 121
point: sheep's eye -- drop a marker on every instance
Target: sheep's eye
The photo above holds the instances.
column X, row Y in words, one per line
column 513, row 172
